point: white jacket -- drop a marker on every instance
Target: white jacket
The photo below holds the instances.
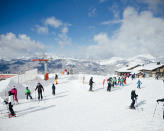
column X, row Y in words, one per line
column 11, row 99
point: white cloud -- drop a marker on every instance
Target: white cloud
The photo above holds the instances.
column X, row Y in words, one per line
column 12, row 46
column 52, row 21
column 41, row 29
column 109, row 22
column 102, row 1
column 92, row 12
column 64, row 30
column 153, row 4
column 139, row 33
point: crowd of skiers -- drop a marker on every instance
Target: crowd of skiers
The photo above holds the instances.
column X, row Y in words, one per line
column 111, row 83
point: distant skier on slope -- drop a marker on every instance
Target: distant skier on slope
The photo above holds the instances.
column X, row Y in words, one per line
column 134, row 98
column 109, row 86
column 28, row 93
column 40, row 88
column 53, row 89
column 91, row 84
column 139, row 84
column 56, row 78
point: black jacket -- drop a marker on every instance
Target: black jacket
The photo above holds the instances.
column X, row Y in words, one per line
column 39, row 87
column 133, row 95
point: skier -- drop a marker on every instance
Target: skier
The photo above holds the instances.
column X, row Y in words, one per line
column 125, row 80
column 40, row 88
column 14, row 91
column 28, row 93
column 161, row 100
column 10, row 102
column 122, row 81
column 109, row 86
column 56, row 79
column 134, row 98
column 53, row 89
column 119, row 81
column 91, row 84
column 139, row 84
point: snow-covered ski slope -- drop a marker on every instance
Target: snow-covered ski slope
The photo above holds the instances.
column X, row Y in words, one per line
column 74, row 108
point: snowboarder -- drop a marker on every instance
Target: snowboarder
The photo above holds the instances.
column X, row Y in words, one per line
column 134, row 98
column 53, row 89
column 10, row 102
column 28, row 93
column 40, row 88
column 14, row 91
column 91, row 83
column 139, row 84
column 109, row 86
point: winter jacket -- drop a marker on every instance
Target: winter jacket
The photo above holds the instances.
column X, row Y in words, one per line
column 39, row 87
column 27, row 91
column 91, row 82
column 133, row 95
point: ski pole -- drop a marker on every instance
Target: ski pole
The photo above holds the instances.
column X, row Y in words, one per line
column 155, row 110
column 163, row 111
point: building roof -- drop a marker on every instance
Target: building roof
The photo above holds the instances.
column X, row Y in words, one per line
column 151, row 66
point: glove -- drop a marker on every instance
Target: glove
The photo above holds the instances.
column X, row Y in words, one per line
column 157, row 101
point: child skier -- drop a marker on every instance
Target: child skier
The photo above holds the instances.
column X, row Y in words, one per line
column 10, row 102
column 28, row 93
column 53, row 89
column 139, row 84
column 134, row 98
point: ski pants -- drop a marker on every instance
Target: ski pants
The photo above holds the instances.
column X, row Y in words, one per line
column 40, row 95
column 138, row 86
column 121, row 84
column 132, row 104
column 11, row 109
column 108, row 88
column 53, row 91
column 28, row 95
column 90, row 89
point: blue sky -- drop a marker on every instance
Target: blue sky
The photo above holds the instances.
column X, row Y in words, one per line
column 79, row 28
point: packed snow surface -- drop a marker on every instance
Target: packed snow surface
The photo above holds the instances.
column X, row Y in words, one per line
column 74, row 108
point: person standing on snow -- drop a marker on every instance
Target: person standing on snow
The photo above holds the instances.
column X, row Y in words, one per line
column 53, row 89
column 139, row 84
column 56, row 78
column 28, row 93
column 109, row 86
column 91, row 83
column 10, row 102
column 40, row 88
column 134, row 98
column 14, row 91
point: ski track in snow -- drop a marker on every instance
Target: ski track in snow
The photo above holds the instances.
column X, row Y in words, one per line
column 74, row 108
